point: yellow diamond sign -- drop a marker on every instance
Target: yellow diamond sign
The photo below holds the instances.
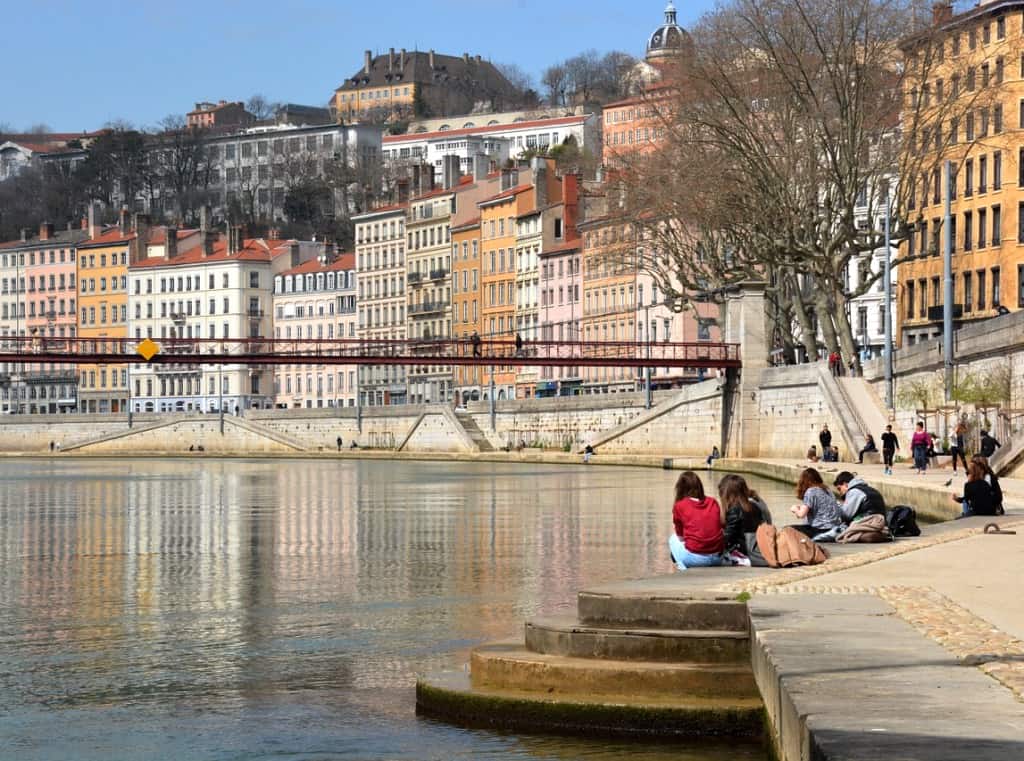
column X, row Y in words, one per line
column 148, row 349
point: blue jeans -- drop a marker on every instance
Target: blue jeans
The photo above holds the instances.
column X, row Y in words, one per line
column 684, row 559
column 921, row 458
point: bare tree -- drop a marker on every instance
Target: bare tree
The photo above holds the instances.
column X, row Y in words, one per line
column 183, row 166
column 556, row 83
column 798, row 106
column 260, row 107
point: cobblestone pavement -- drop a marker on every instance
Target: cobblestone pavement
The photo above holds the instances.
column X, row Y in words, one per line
column 968, row 637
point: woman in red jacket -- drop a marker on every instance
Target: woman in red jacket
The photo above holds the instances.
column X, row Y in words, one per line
column 698, row 539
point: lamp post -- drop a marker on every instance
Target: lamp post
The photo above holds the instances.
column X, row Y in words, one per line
column 888, row 305
column 647, row 367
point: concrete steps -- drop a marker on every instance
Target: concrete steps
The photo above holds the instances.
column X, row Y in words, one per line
column 566, row 637
column 668, row 649
column 512, row 666
column 471, row 428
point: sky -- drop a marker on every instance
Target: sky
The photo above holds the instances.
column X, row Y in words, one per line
column 75, row 65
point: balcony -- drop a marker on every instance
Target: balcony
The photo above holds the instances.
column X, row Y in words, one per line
column 178, row 318
column 427, row 307
column 255, row 314
column 438, row 274
column 414, row 278
column 50, row 316
column 50, row 377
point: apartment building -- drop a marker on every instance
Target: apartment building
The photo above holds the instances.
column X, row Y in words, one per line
column 561, row 285
column 316, row 301
column 466, row 299
column 39, row 300
column 219, row 289
column 978, row 76
column 381, row 300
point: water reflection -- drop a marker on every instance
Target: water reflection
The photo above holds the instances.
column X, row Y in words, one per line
column 239, row 609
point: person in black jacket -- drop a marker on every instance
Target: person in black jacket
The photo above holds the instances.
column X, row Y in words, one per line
column 989, row 445
column 825, row 438
column 993, row 481
column 889, row 446
column 978, row 497
column 744, row 512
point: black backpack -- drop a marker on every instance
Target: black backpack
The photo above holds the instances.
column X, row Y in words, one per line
column 902, row 521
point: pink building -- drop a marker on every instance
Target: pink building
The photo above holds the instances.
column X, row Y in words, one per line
column 560, row 285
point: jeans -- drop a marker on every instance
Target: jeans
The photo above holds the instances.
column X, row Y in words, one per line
column 684, row 559
column 887, row 457
column 921, row 457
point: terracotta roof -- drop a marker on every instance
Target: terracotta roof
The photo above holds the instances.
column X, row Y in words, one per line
column 433, row 193
column 474, row 222
column 382, row 209
column 253, row 250
column 569, row 245
column 418, row 136
column 345, row 261
column 108, row 236
column 505, row 194
column 414, row 68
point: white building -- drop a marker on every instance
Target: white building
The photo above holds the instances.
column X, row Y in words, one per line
column 380, row 278
column 220, row 289
column 316, row 300
column 493, row 140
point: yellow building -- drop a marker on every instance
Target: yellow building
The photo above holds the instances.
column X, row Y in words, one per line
column 405, row 84
column 103, row 313
column 975, row 94
column 466, row 304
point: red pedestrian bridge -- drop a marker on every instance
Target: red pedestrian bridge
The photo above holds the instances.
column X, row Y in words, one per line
column 277, row 351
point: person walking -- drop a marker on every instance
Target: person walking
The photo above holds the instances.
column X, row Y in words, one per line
column 698, row 539
column 889, row 446
column 989, row 445
column 919, row 444
column 833, row 364
column 958, row 449
column 338, row 441
column 475, row 341
column 519, row 345
column 825, row 438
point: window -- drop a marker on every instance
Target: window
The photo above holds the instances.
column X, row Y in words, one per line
column 969, row 177
column 995, row 287
column 1020, row 222
column 254, row 279
column 1001, row 27
column 982, row 227
column 982, row 286
column 1020, row 285
column 968, row 231
column 997, row 170
column 910, row 295
column 997, row 226
column 968, row 292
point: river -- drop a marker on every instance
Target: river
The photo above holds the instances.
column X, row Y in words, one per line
column 257, row 609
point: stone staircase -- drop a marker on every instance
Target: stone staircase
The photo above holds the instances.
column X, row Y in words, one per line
column 629, row 663
column 1008, row 456
column 472, row 430
column 868, row 409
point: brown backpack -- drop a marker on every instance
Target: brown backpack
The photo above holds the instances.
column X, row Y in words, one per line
column 787, row 547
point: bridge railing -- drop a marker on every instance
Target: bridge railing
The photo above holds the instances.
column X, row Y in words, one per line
column 365, row 350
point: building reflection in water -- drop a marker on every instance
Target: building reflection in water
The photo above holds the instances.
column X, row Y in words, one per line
column 242, row 585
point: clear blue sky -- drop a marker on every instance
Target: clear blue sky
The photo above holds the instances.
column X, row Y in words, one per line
column 76, row 65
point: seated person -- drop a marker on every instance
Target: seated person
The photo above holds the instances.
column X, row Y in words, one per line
column 818, row 507
column 713, row 456
column 869, row 446
column 990, row 477
column 744, row 512
column 812, row 453
column 859, row 499
column 978, row 497
column 698, row 539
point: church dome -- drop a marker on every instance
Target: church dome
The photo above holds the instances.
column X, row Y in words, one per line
column 669, row 38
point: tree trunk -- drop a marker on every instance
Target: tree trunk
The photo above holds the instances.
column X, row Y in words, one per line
column 824, row 308
column 841, row 320
column 807, row 333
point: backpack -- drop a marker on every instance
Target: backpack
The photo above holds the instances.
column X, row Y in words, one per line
column 870, row 530
column 903, row 521
column 786, row 547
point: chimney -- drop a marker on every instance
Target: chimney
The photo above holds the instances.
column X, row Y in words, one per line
column 401, row 60
column 92, row 219
column 274, row 233
column 46, row 231
column 24, row 234
column 122, row 220
column 941, row 13
column 451, row 170
column 70, row 226
column 481, row 166
column 171, row 243
column 431, row 60
column 294, row 251
column 367, row 61
column 571, row 197
column 540, row 181
column 465, row 58
column 509, row 178
column 84, row 223
column 479, row 59
column 391, row 60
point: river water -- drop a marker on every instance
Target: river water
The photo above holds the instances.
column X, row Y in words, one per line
column 269, row 609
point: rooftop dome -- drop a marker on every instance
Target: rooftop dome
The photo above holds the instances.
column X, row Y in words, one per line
column 669, row 38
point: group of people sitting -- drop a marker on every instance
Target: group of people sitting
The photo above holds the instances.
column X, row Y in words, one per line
column 710, row 532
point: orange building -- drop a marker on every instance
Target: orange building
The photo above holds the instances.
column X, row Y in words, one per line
column 498, row 272
column 466, row 304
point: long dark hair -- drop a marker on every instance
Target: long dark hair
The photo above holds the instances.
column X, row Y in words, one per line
column 809, row 478
column 733, row 490
column 689, row 485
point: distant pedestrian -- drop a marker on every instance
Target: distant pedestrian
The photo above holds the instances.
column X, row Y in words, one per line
column 475, row 341
column 958, row 447
column 825, row 438
column 869, row 446
column 889, row 446
column 338, row 441
column 812, row 454
column 919, row 444
column 53, row 445
column 715, row 454
column 835, row 364
column 519, row 345
column 989, row 445
column 588, row 452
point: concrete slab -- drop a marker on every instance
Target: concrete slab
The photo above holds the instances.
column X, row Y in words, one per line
column 843, row 678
